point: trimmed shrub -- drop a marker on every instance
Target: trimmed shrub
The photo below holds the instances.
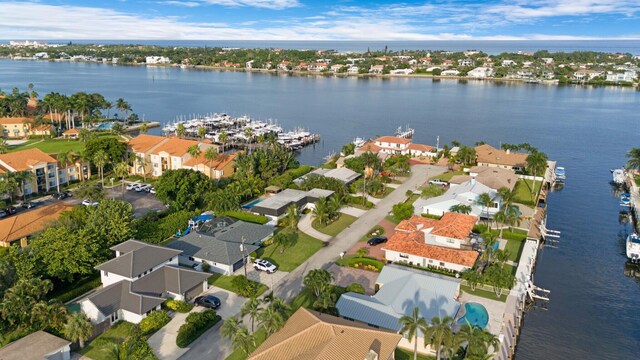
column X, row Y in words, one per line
column 195, row 325
column 356, row 288
column 177, row 305
column 154, row 321
column 244, row 286
column 205, row 266
column 245, row 216
column 513, row 236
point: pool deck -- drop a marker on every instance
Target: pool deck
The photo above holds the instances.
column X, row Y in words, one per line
column 494, row 308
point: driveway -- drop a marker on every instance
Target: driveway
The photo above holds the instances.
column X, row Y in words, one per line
column 262, row 277
column 292, row 283
column 231, row 302
column 345, row 276
column 142, row 202
column 305, row 226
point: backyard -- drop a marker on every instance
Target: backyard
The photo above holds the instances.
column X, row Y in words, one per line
column 292, row 256
column 514, row 248
column 335, row 227
column 523, row 191
column 487, row 294
column 101, row 347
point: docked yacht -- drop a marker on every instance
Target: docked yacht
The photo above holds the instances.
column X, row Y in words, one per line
column 633, row 247
column 618, row 176
column 560, row 174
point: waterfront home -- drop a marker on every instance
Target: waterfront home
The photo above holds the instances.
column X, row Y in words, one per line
column 249, row 64
column 587, row 74
column 353, row 70
column 508, row 63
column 347, row 176
column 493, row 177
column 284, row 65
column 153, row 155
column 275, row 206
column 301, row 66
column 137, row 281
column 20, row 127
column 466, row 193
column 401, row 290
column 450, row 73
column 376, row 69
column 313, row 335
column 627, row 76
column 487, row 155
column 425, row 61
column 447, row 63
column 480, row 73
column 38, row 345
column 401, row 72
column 317, row 66
column 157, row 60
column 18, row 228
column 224, row 244
column 420, row 150
column 427, row 242
column 337, row 67
column 392, row 144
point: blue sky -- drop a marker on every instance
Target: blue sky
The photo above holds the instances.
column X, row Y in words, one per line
column 320, row 20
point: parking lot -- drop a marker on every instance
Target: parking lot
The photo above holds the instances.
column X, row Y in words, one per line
column 142, row 202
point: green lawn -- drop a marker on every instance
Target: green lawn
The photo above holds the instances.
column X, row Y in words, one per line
column 304, row 247
column 514, row 247
column 413, row 198
column 98, row 349
column 224, row 282
column 484, row 293
column 387, row 191
column 54, row 146
column 392, row 219
column 402, row 354
column 375, row 231
column 448, row 175
column 260, row 337
column 523, row 191
column 336, row 226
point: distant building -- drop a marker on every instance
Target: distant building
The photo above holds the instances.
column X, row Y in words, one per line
column 487, row 155
column 376, row 69
column 450, row 73
column 480, row 73
column 157, row 60
column 353, row 70
column 18, row 228
column 465, row 62
column 401, row 72
column 275, row 207
column 508, row 63
column 627, row 76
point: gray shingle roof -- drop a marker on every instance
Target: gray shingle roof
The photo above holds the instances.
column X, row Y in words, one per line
column 282, row 199
column 211, row 248
column 402, row 289
column 168, row 278
column 140, row 258
column 34, row 346
column 120, row 296
column 252, row 233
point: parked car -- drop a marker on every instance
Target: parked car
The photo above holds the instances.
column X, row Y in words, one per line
column 87, row 202
column 131, row 186
column 28, row 205
column 151, row 190
column 3, row 214
column 142, row 187
column 377, row 240
column 60, row 195
column 10, row 210
column 208, row 301
column 438, row 182
column 264, row 265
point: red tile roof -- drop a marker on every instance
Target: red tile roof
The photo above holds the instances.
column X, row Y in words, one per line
column 490, row 155
column 413, row 243
column 143, row 142
column 393, row 139
column 223, row 160
column 25, row 159
column 28, row 222
column 451, row 225
column 420, row 147
column 175, row 146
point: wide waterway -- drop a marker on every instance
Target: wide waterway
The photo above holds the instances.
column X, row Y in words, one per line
column 594, row 311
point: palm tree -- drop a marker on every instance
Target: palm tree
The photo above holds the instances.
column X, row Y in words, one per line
column 318, row 280
column 230, row 327
column 22, row 177
column 78, row 328
column 121, row 170
column 4, row 147
column 243, row 340
column 634, row 159
column 211, row 154
column 144, row 128
column 461, row 209
column 280, row 307
column 251, row 308
column 202, row 131
column 321, row 211
column 292, row 217
column 194, row 151
column 478, row 341
column 438, row 333
column 485, row 201
column 141, row 163
column 222, row 138
column 100, row 158
column 271, row 320
column 536, row 164
column 410, row 327
column 282, row 241
column 124, row 106
column 248, row 133
column 180, row 130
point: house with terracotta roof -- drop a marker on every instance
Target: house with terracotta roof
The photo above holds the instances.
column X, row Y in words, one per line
column 19, row 227
column 137, row 281
column 394, row 145
column 36, row 161
column 313, row 335
column 222, row 167
column 487, row 155
column 71, row 134
column 493, row 177
column 429, row 242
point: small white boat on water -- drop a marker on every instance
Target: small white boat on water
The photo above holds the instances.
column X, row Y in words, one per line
column 618, row 175
column 633, row 247
column 560, row 174
column 358, row 142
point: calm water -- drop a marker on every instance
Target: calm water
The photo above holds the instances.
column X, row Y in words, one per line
column 488, row 46
column 595, row 310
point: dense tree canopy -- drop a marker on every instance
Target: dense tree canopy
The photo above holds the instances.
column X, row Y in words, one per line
column 115, row 149
column 183, row 189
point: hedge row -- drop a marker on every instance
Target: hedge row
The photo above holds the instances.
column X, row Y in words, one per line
column 285, row 179
column 78, row 289
column 177, row 305
column 245, row 216
column 361, row 262
column 195, row 325
column 154, row 322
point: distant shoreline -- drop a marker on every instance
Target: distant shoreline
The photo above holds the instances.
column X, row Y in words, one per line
column 553, row 82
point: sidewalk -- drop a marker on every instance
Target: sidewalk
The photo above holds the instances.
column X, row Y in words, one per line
column 353, row 211
column 163, row 342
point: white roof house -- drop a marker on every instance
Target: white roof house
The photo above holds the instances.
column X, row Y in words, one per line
column 464, row 194
column 480, row 72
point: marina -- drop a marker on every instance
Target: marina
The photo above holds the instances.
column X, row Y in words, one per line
column 223, row 128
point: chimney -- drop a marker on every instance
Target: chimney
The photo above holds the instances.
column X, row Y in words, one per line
column 508, row 151
column 473, row 180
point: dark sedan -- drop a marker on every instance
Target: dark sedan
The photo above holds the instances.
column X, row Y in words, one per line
column 28, row 205
column 61, row 195
column 377, row 240
column 10, row 210
column 208, row 301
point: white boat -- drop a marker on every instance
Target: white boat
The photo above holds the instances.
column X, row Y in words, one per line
column 358, row 142
column 560, row 174
column 633, row 247
column 618, row 176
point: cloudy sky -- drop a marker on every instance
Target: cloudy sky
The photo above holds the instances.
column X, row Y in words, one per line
column 320, row 20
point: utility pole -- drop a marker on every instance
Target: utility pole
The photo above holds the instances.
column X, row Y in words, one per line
column 244, row 258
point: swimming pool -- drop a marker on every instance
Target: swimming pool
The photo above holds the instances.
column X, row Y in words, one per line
column 105, row 126
column 251, row 204
column 476, row 314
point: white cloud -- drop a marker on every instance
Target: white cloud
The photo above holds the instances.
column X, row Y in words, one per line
column 266, row 4
column 20, row 20
column 180, row 3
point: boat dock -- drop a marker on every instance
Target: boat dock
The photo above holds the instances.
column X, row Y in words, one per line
column 137, row 127
column 634, row 191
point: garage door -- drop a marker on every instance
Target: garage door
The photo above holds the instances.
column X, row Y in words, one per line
column 193, row 292
column 237, row 265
